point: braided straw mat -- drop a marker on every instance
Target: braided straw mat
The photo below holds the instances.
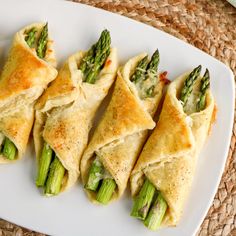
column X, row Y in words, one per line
column 210, row 26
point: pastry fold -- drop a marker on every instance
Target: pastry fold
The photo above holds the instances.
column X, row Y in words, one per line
column 120, row 135
column 23, row 80
column 168, row 159
column 65, row 112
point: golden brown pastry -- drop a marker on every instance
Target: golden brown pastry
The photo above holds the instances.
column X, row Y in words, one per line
column 165, row 169
column 111, row 154
column 65, row 112
column 23, row 79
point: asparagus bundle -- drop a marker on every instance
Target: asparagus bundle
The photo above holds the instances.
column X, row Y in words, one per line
column 164, row 171
column 66, row 110
column 28, row 70
column 110, row 156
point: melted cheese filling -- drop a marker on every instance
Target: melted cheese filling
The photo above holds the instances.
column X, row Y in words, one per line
column 146, row 87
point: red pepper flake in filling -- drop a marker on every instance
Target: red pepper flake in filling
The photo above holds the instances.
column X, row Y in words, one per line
column 108, row 62
column 163, row 77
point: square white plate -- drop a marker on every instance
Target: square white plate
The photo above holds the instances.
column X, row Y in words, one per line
column 75, row 27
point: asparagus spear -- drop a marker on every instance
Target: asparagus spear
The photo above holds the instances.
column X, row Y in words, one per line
column 107, row 187
column 156, row 213
column 101, row 53
column 30, row 38
column 140, row 70
column 44, row 164
column 188, row 84
column 88, row 60
column 106, row 190
column 42, row 42
column 9, row 149
column 143, row 201
column 153, row 64
column 55, row 177
column 95, row 174
column 152, row 73
column 205, row 85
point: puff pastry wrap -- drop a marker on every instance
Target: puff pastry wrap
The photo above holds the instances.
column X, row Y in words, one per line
column 23, row 80
column 168, row 159
column 65, row 112
column 120, row 135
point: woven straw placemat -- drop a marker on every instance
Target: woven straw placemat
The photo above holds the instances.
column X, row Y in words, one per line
column 210, row 26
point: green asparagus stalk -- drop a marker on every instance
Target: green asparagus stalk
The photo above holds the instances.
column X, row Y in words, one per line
column 143, row 201
column 152, row 73
column 140, row 71
column 55, row 177
column 9, row 149
column 205, row 85
column 95, row 175
column 44, row 164
column 156, row 213
column 188, row 84
column 93, row 73
column 30, row 38
column 101, row 53
column 42, row 42
column 88, row 60
column 154, row 62
column 108, row 185
column 106, row 190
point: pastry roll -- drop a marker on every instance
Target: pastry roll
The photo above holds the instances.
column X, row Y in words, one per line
column 65, row 112
column 111, row 154
column 29, row 68
column 163, row 174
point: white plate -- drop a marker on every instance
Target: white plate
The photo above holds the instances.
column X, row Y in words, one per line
column 75, row 27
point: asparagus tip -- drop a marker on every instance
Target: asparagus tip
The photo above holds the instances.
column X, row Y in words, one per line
column 207, row 73
column 198, row 68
